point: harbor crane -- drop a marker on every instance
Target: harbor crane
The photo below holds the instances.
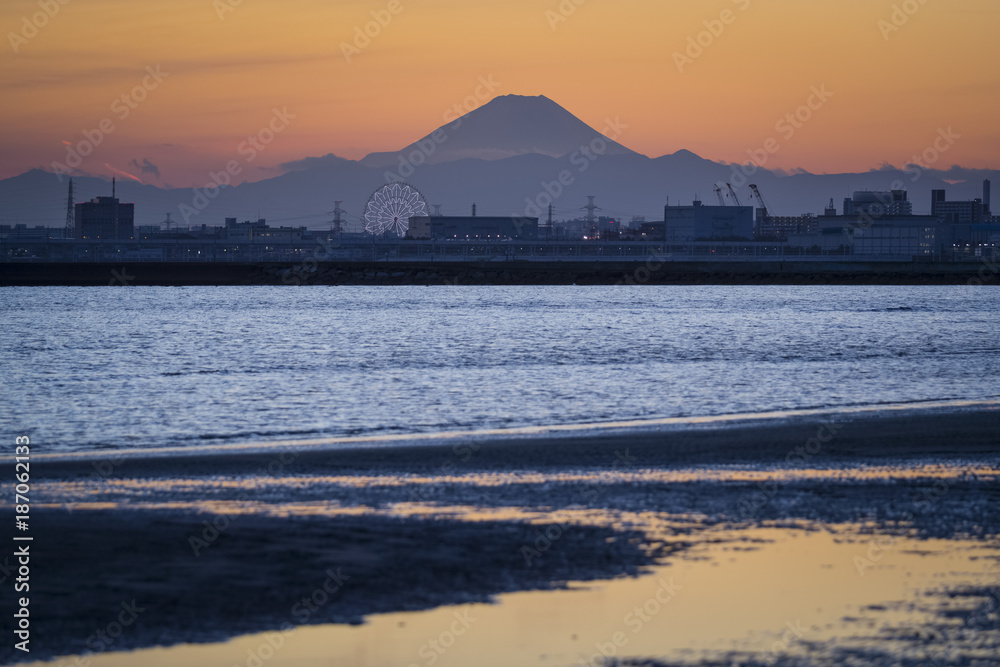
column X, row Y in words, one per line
column 718, row 193
column 756, row 191
column 732, row 193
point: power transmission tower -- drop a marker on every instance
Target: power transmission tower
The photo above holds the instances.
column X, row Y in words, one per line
column 337, row 224
column 590, row 208
column 591, row 218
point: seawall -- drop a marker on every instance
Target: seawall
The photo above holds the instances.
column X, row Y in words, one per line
column 498, row 273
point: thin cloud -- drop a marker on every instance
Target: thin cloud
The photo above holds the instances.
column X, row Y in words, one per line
column 145, row 167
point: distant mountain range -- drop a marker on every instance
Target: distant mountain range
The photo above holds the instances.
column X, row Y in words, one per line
column 512, row 156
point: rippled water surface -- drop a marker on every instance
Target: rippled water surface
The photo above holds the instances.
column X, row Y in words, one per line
column 87, row 368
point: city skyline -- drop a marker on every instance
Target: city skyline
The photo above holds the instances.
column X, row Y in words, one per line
column 181, row 86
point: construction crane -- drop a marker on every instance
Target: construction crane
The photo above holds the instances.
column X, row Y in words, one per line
column 718, row 193
column 763, row 207
column 732, row 193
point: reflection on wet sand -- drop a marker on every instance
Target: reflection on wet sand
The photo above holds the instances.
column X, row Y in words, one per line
column 278, row 487
column 764, row 593
column 707, row 549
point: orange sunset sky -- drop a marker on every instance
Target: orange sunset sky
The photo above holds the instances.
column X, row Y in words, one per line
column 231, row 62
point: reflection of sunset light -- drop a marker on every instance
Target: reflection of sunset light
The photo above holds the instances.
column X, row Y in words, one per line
column 145, row 490
column 731, row 589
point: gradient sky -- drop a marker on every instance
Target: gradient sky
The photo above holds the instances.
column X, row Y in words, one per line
column 228, row 70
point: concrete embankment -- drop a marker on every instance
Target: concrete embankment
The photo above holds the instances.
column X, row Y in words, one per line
column 498, row 273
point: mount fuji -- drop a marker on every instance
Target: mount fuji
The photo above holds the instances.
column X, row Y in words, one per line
column 512, row 156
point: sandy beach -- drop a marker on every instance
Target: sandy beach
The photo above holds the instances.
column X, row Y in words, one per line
column 200, row 548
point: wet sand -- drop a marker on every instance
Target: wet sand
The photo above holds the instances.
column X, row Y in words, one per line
column 214, row 546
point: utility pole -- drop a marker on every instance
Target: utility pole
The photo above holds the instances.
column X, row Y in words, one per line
column 114, row 203
column 70, row 231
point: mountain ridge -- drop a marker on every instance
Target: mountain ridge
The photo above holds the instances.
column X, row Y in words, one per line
column 625, row 182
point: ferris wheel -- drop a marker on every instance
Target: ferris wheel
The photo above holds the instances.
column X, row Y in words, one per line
column 390, row 208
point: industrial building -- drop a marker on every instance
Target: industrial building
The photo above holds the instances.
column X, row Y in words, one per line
column 258, row 231
column 900, row 236
column 875, row 205
column 913, row 236
column 874, row 224
column 104, row 218
column 781, row 227
column 473, row 227
column 697, row 222
column 973, row 212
